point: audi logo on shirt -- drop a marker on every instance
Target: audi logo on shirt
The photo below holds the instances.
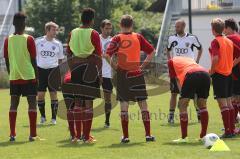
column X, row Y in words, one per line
column 46, row 54
column 180, row 51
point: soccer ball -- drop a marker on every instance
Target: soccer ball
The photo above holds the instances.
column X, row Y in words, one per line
column 209, row 140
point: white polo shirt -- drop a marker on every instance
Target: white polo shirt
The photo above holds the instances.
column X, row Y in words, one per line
column 48, row 52
column 106, row 68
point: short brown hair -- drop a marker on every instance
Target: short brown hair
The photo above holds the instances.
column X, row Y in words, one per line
column 218, row 25
column 105, row 22
column 126, row 21
column 49, row 25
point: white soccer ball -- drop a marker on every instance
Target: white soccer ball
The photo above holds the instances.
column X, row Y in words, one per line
column 210, row 139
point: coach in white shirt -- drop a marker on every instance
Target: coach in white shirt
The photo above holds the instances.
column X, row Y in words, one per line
column 49, row 56
column 106, row 30
column 181, row 44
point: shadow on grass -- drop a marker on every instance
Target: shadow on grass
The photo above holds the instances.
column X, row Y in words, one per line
column 120, row 145
column 40, row 125
column 190, row 144
column 8, row 143
column 67, row 143
column 178, row 124
column 103, row 129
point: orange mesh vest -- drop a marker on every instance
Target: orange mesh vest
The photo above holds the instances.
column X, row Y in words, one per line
column 225, row 63
column 184, row 65
column 129, row 52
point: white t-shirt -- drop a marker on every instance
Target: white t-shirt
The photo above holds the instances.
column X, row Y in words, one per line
column 48, row 52
column 183, row 46
column 106, row 68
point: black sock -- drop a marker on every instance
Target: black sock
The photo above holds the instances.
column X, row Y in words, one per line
column 41, row 107
column 54, row 108
column 108, row 107
column 171, row 113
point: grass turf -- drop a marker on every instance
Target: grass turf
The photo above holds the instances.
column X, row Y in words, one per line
column 57, row 144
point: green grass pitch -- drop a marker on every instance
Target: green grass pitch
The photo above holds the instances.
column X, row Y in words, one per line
column 57, row 144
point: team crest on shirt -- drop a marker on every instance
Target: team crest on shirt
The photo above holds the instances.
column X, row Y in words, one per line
column 187, row 44
column 53, row 47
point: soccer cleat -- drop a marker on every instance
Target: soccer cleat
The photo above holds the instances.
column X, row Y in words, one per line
column 107, row 125
column 226, row 136
column 125, row 140
column 37, row 138
column 91, row 140
column 181, row 140
column 54, row 121
column 43, row 120
column 150, row 139
column 12, row 139
column 170, row 120
column 76, row 140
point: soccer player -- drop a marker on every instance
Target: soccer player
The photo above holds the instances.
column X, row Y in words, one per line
column 85, row 61
column 20, row 56
column 106, row 29
column 231, row 30
column 191, row 79
column 221, row 52
column 181, row 44
column 49, row 56
column 130, row 79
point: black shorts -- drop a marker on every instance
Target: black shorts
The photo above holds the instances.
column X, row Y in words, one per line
column 130, row 88
column 44, row 75
column 236, row 87
column 107, row 85
column 197, row 83
column 85, row 82
column 173, row 86
column 222, row 85
column 29, row 89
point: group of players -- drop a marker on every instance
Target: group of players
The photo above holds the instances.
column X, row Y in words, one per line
column 91, row 58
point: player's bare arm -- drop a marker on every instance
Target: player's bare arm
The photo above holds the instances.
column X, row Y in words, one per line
column 148, row 59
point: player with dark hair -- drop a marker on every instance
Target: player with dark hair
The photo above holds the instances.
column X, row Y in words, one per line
column 85, row 62
column 20, row 56
column 231, row 31
column 131, row 86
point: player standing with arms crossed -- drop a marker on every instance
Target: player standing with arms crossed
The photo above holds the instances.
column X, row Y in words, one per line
column 181, row 44
column 20, row 56
column 49, row 56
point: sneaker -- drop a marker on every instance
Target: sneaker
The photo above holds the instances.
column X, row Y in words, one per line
column 54, row 121
column 12, row 138
column 91, row 140
column 107, row 125
column 226, row 136
column 181, row 140
column 43, row 120
column 125, row 140
column 150, row 139
column 37, row 138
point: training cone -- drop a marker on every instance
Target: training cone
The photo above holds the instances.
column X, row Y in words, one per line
column 220, row 145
